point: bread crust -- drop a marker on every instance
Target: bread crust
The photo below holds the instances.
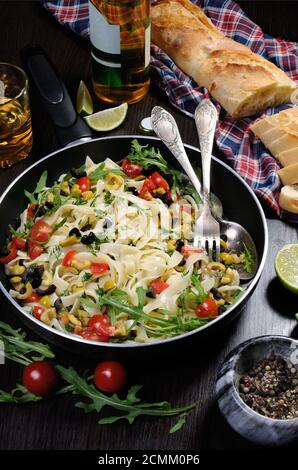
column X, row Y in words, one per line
column 243, row 82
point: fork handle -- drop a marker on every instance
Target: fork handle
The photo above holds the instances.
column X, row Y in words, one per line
column 164, row 125
column 206, row 119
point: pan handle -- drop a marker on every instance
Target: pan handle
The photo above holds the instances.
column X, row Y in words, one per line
column 69, row 127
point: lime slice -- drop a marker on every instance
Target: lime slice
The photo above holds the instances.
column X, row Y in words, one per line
column 84, row 100
column 107, row 119
column 286, row 267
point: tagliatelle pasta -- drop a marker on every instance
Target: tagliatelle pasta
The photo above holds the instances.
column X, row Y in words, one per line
column 105, row 253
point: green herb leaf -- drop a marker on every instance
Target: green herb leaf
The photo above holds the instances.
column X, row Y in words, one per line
column 130, row 407
column 39, row 187
column 18, row 395
column 101, row 172
column 249, row 259
column 16, row 233
column 19, row 349
column 87, row 277
column 59, row 224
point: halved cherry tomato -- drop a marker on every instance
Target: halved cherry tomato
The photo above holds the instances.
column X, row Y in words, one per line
column 100, row 324
column 146, row 189
column 158, row 286
column 34, row 250
column 207, row 309
column 37, row 311
column 110, row 376
column 31, row 210
column 40, row 231
column 159, row 181
column 187, row 251
column 131, row 169
column 13, row 251
column 69, row 256
column 91, row 335
column 98, row 269
column 84, row 183
column 20, row 243
column 40, row 378
column 33, row 298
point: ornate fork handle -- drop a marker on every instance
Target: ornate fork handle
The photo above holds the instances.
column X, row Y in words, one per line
column 164, row 125
column 206, row 119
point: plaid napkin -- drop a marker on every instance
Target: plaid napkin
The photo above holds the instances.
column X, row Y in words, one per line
column 247, row 155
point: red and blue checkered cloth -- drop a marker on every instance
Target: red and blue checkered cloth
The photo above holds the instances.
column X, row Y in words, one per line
column 246, row 154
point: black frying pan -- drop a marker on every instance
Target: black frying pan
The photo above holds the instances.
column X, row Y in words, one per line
column 239, row 203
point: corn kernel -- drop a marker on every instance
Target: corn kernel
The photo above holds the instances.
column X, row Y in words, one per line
column 226, row 258
column 74, row 320
column 15, row 279
column 75, row 191
column 17, row 270
column 87, row 195
column 45, row 301
column 65, row 188
column 72, row 240
column 109, row 284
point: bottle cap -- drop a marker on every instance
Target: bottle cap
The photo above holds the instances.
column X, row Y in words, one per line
column 145, row 126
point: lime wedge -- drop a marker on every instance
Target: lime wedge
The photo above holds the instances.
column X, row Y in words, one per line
column 84, row 100
column 286, row 267
column 107, row 119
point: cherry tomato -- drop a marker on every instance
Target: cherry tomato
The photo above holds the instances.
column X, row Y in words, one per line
column 91, row 335
column 146, row 189
column 69, row 256
column 187, row 251
column 158, row 286
column 33, row 298
column 40, row 378
column 31, row 210
column 100, row 324
column 37, row 311
column 131, row 169
column 34, row 250
column 110, row 376
column 20, row 243
column 159, row 181
column 99, row 268
column 13, row 251
column 40, row 231
column 207, row 309
column 84, row 183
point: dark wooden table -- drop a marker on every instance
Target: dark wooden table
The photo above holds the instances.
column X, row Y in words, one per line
column 56, row 424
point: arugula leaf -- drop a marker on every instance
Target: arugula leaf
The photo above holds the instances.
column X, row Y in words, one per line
column 87, row 277
column 108, row 197
column 16, row 233
column 201, row 296
column 19, row 349
column 147, row 157
column 101, row 172
column 59, row 224
column 18, row 395
column 130, row 407
column 249, row 259
column 39, row 187
column 141, row 293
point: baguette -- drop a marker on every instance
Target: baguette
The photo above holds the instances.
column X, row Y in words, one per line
column 244, row 83
column 279, row 133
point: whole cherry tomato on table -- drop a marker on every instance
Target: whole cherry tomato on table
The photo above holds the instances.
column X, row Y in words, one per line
column 40, row 378
column 110, row 376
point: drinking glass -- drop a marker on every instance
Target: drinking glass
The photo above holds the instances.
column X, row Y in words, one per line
column 15, row 117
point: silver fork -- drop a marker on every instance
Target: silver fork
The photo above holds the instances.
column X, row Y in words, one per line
column 207, row 228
